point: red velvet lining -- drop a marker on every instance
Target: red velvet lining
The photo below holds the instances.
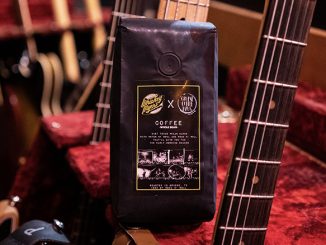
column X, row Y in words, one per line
column 298, row 214
column 91, row 164
column 298, row 211
column 69, row 129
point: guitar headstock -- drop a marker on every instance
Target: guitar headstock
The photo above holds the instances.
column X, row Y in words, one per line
column 191, row 10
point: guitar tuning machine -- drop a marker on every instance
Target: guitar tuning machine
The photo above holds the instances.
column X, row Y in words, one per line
column 14, row 200
column 24, row 65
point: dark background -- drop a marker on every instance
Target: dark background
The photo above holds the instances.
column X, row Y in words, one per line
column 319, row 19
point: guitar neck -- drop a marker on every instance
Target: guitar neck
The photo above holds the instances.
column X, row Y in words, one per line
column 68, row 49
column 249, row 189
column 26, row 22
column 101, row 124
column 191, row 10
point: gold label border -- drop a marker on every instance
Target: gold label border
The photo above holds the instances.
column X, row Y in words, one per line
column 199, row 103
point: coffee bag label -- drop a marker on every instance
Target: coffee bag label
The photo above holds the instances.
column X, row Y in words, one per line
column 168, row 137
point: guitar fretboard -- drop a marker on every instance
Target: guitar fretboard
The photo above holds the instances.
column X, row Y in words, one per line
column 194, row 10
column 191, row 10
column 249, row 190
column 101, row 125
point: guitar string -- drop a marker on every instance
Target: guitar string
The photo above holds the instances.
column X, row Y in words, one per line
column 289, row 95
column 247, row 129
column 260, row 110
column 177, row 10
column 133, row 8
column 253, row 142
column 295, row 63
column 104, row 131
column 294, row 71
column 259, row 114
column 281, row 107
column 100, row 131
column 287, row 92
column 127, row 10
column 129, row 5
column 95, row 135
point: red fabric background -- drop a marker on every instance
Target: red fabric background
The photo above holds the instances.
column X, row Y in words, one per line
column 298, row 215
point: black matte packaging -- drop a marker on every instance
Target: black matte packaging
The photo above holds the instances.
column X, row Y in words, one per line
column 164, row 122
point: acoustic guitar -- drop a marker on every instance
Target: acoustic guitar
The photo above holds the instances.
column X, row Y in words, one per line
column 35, row 58
column 249, row 190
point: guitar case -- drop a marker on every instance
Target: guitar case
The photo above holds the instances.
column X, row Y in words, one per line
column 163, row 123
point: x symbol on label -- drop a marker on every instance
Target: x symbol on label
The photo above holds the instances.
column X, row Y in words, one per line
column 170, row 103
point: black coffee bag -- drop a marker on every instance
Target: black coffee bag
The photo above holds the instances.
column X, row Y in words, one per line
column 164, row 122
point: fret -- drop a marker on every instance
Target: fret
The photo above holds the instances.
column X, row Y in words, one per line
column 270, row 71
column 272, row 103
column 257, row 161
column 250, row 196
column 266, row 124
column 191, row 10
column 298, row 18
column 243, row 228
column 111, row 39
column 105, row 84
column 240, row 237
column 108, row 62
column 104, row 106
column 200, row 3
column 285, row 40
column 93, row 142
column 101, row 130
column 258, row 207
column 253, row 137
column 120, row 14
column 253, row 178
column 278, row 84
column 289, row 55
column 101, row 125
